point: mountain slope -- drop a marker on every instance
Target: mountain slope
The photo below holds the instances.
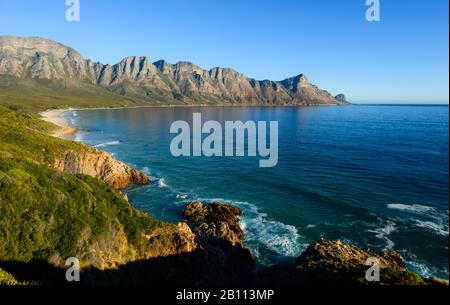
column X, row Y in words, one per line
column 47, row 66
column 49, row 213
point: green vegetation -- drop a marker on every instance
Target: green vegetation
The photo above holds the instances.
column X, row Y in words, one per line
column 50, row 215
column 394, row 277
column 24, row 136
column 43, row 94
column 7, row 279
column 45, row 213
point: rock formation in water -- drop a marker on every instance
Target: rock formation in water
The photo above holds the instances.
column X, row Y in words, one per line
column 100, row 165
column 215, row 221
column 324, row 262
column 221, row 259
column 331, row 262
column 136, row 78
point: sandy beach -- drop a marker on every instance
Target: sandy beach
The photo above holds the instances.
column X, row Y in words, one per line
column 54, row 116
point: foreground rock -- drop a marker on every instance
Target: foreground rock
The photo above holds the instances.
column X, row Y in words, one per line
column 329, row 262
column 211, row 253
column 100, row 165
column 325, row 262
column 215, row 221
column 220, row 240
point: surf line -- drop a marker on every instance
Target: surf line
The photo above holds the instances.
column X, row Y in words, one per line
column 228, row 141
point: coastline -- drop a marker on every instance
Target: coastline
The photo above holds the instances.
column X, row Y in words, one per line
column 54, row 116
column 66, row 129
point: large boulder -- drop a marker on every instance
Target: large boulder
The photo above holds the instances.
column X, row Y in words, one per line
column 335, row 263
column 215, row 220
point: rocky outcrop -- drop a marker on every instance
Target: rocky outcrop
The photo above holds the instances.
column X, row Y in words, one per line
column 215, row 221
column 328, row 262
column 220, row 244
column 341, row 97
column 170, row 240
column 324, row 262
column 144, row 82
column 174, row 255
column 100, row 165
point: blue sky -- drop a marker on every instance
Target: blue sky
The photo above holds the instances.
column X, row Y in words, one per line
column 403, row 58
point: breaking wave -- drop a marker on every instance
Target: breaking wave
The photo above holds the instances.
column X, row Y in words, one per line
column 384, row 232
column 263, row 234
column 438, row 228
column 158, row 181
column 415, row 208
column 107, row 144
column 433, row 220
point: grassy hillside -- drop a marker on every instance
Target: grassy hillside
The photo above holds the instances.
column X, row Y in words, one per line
column 39, row 95
column 48, row 215
column 42, row 95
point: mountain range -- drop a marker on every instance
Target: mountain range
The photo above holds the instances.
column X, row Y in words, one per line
column 41, row 65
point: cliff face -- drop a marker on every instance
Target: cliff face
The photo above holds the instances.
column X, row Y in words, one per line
column 138, row 79
column 100, row 165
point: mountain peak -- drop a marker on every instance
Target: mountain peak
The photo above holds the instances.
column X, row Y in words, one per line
column 296, row 83
column 130, row 59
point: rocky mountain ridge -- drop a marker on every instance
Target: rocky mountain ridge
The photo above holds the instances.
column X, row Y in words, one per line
column 143, row 81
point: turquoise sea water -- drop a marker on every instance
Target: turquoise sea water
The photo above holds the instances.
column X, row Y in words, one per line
column 375, row 176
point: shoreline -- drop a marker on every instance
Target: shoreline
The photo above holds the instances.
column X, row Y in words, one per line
column 54, row 116
column 66, row 129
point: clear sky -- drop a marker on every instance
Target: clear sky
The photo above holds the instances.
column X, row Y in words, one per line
column 402, row 58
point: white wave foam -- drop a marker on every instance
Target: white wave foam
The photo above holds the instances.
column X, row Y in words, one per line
column 275, row 236
column 439, row 229
column 107, row 144
column 159, row 182
column 182, row 196
column 415, row 208
column 432, row 219
column 423, row 269
column 384, row 232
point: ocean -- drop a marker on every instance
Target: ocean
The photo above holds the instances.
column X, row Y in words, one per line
column 372, row 175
